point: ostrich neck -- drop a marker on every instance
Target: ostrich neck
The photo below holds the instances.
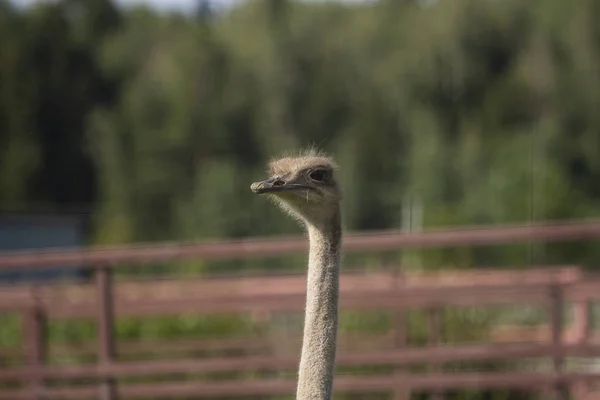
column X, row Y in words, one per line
column 317, row 360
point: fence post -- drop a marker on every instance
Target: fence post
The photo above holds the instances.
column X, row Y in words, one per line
column 556, row 323
column 105, row 330
column 435, row 327
column 582, row 330
column 34, row 326
column 400, row 339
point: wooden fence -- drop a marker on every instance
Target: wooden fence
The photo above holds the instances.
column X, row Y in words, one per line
column 553, row 288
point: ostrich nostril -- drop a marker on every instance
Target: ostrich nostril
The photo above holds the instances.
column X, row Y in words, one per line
column 278, row 182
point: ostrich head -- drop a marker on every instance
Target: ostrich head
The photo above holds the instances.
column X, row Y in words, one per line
column 304, row 186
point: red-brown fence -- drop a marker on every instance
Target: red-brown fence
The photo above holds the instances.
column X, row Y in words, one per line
column 551, row 288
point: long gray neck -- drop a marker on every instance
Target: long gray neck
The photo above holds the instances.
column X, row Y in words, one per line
column 315, row 380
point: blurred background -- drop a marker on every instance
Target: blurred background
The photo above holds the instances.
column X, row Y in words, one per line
column 126, row 121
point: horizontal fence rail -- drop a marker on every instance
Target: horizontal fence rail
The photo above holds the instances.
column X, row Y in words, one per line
column 533, row 286
column 552, row 288
column 269, row 362
column 343, row 384
column 375, row 241
column 288, row 292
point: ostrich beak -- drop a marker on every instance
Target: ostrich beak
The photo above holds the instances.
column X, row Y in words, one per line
column 276, row 184
column 268, row 186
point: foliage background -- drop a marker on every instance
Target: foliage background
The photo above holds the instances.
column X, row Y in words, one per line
column 153, row 125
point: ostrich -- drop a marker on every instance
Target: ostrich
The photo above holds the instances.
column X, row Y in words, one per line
column 304, row 186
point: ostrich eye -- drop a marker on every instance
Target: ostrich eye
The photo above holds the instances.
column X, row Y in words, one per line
column 318, row 175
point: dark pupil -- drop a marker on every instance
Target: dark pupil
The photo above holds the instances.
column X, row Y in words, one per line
column 318, row 175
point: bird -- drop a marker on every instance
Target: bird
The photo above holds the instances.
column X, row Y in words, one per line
column 305, row 187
